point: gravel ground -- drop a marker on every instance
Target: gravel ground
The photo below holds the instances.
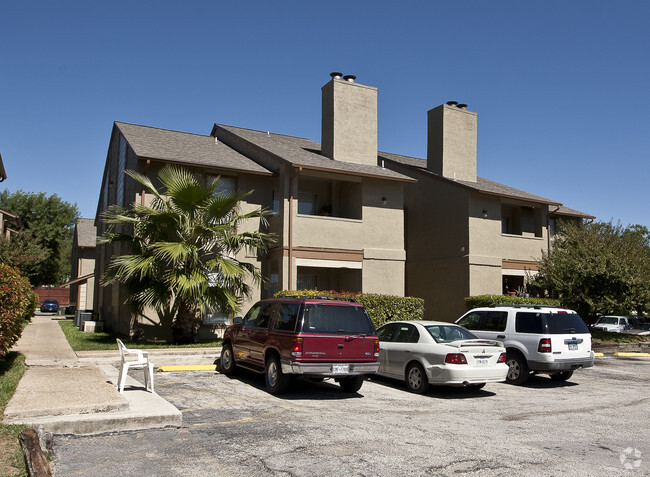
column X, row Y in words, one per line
column 594, row 424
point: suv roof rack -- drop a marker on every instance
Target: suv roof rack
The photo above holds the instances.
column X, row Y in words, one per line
column 317, row 297
column 536, row 307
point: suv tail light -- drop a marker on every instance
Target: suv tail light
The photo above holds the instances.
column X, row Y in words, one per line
column 376, row 348
column 455, row 358
column 502, row 358
column 544, row 345
column 296, row 347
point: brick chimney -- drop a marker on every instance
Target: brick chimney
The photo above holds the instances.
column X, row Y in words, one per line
column 451, row 144
column 349, row 121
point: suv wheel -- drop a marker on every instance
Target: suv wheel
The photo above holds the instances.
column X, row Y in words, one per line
column 276, row 381
column 518, row 372
column 563, row 376
column 351, row 384
column 228, row 365
column 416, row 378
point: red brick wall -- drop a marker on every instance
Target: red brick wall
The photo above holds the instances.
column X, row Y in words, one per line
column 53, row 293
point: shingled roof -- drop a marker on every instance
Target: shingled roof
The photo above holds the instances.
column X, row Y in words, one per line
column 302, row 152
column 86, row 233
column 571, row 213
column 482, row 185
column 186, row 148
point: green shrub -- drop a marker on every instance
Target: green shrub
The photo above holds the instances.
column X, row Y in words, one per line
column 17, row 304
column 381, row 308
column 488, row 300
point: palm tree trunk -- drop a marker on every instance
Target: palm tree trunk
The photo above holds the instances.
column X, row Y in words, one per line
column 185, row 325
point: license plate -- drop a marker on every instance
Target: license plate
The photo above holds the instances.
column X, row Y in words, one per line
column 340, row 368
column 482, row 361
column 573, row 346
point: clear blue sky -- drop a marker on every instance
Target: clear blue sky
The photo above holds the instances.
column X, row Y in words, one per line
column 562, row 89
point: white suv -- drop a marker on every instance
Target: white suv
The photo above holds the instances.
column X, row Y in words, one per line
column 539, row 339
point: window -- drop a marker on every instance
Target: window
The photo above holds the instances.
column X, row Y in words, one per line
column 471, row 321
column 307, row 203
column 562, row 323
column 287, row 317
column 529, row 323
column 275, row 203
column 407, row 334
column 495, row 321
column 216, row 317
column 226, row 185
column 385, row 333
column 259, row 316
column 449, row 333
column 336, row 319
column 307, row 282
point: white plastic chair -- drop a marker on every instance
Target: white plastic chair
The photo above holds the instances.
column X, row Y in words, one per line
column 141, row 362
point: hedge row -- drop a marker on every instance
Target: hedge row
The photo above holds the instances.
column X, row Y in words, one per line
column 17, row 304
column 381, row 308
column 488, row 300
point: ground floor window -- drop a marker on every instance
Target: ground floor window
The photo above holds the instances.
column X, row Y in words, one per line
column 339, row 279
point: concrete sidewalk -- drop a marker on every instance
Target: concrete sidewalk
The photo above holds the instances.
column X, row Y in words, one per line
column 62, row 393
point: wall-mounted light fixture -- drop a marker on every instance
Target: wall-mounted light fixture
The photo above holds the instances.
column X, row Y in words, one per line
column 484, row 214
column 384, row 201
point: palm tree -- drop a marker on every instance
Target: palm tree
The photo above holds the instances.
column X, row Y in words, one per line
column 182, row 250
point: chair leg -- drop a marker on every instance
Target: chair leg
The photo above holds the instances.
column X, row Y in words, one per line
column 151, row 375
column 125, row 372
column 119, row 376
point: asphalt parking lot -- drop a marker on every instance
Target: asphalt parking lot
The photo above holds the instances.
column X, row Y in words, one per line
column 595, row 424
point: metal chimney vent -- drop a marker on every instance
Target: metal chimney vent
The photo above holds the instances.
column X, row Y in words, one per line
column 452, row 103
column 336, row 75
column 349, row 78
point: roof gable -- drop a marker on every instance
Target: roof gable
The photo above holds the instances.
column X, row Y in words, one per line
column 186, row 148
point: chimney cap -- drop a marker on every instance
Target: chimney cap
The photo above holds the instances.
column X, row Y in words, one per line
column 462, row 106
column 452, row 103
column 336, row 75
column 349, row 78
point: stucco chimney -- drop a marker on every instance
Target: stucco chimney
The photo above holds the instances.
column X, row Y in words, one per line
column 349, row 121
column 451, row 144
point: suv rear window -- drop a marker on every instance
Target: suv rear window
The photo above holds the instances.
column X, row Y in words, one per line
column 562, row 323
column 324, row 318
column 549, row 323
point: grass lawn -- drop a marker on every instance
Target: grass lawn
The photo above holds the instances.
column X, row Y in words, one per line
column 12, row 461
column 80, row 341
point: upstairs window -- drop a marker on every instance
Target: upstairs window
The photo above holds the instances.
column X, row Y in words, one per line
column 329, row 198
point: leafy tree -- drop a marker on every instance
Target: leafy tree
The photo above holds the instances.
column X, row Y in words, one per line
column 182, row 250
column 50, row 220
column 599, row 268
column 23, row 252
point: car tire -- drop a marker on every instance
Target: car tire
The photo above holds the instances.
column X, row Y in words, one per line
column 351, row 384
column 518, row 372
column 416, row 378
column 276, row 381
column 563, row 376
column 228, row 366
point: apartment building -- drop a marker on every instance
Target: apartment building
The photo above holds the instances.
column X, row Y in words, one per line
column 337, row 215
column 467, row 235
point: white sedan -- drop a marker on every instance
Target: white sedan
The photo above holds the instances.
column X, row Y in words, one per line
column 432, row 352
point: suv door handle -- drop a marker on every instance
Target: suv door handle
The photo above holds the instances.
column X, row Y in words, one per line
column 501, row 336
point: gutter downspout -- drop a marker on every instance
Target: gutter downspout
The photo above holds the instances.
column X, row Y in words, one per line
column 290, row 251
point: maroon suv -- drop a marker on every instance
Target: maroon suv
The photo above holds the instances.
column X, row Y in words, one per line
column 314, row 337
